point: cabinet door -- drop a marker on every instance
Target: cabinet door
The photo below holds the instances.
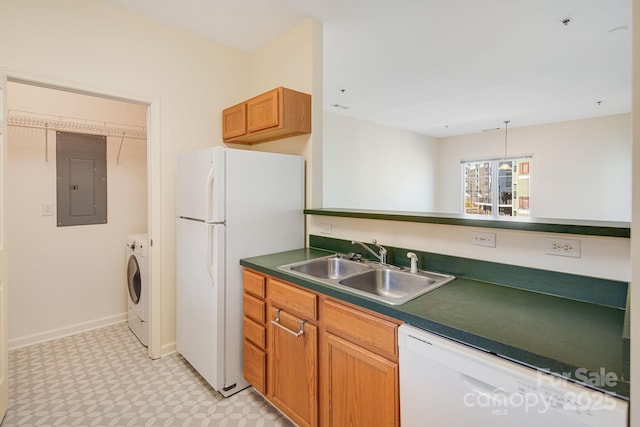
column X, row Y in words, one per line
column 234, row 121
column 263, row 111
column 255, row 366
column 362, row 387
column 293, row 369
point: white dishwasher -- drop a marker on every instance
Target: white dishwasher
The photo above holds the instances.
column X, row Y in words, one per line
column 447, row 384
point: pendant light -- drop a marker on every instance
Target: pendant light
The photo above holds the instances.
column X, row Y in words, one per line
column 505, row 165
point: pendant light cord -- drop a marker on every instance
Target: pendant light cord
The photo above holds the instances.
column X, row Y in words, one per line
column 506, row 128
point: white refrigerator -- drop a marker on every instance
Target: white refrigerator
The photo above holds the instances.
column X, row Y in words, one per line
column 231, row 204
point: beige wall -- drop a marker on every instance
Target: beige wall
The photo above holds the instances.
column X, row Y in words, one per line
column 69, row 279
column 91, row 46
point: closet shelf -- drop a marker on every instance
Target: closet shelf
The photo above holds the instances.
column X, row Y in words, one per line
column 76, row 126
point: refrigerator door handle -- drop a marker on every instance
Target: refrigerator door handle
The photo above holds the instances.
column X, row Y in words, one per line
column 210, row 244
column 215, row 253
column 210, row 197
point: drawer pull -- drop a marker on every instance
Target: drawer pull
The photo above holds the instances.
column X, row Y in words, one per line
column 276, row 322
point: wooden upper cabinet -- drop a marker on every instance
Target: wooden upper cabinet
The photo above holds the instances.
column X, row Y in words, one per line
column 263, row 112
column 234, row 121
column 279, row 113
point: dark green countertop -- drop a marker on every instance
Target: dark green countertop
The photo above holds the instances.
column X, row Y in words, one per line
column 551, row 333
column 547, row 225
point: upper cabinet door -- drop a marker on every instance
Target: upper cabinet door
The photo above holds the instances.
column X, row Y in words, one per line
column 234, row 121
column 263, row 111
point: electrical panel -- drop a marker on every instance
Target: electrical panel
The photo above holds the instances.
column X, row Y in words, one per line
column 81, row 168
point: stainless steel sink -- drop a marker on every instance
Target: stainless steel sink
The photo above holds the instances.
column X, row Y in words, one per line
column 378, row 281
column 330, row 268
column 394, row 286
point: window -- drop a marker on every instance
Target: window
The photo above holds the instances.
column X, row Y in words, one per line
column 497, row 187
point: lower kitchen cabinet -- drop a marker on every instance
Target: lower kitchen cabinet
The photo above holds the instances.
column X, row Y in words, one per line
column 293, row 368
column 325, row 362
column 359, row 367
column 362, row 387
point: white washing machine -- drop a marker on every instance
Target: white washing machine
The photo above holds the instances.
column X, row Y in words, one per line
column 138, row 285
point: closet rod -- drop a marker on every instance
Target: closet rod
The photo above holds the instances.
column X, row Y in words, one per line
column 61, row 125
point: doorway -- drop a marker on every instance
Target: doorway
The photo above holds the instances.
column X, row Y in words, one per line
column 66, row 280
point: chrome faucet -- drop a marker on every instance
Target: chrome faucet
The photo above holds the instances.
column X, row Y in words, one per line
column 382, row 257
column 414, row 262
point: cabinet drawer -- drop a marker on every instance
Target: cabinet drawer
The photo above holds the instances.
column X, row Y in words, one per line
column 254, row 308
column 296, row 301
column 364, row 329
column 255, row 367
column 255, row 333
column 254, row 283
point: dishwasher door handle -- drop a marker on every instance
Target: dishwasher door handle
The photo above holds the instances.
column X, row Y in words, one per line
column 484, row 388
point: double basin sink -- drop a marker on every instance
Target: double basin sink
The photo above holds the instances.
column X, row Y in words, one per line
column 381, row 282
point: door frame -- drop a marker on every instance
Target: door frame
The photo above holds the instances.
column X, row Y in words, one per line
column 4, row 263
column 154, row 207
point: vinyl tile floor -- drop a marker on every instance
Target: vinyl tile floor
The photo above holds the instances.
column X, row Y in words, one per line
column 104, row 378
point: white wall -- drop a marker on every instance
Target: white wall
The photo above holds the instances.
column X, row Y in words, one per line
column 603, row 257
column 188, row 80
column 370, row 166
column 581, row 169
column 69, row 279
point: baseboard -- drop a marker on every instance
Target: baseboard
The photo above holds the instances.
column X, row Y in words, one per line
column 40, row 337
column 168, row 349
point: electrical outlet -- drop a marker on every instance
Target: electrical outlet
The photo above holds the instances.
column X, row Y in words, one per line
column 325, row 228
column 562, row 247
column 484, row 239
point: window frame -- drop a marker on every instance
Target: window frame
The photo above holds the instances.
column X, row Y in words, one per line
column 494, row 165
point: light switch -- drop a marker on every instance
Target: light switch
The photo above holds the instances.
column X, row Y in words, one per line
column 47, row 209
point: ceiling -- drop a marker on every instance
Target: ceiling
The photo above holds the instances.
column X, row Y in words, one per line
column 441, row 67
